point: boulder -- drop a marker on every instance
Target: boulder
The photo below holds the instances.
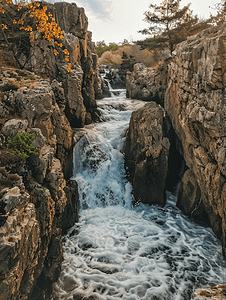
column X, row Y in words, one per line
column 195, row 103
column 14, row 126
column 146, row 154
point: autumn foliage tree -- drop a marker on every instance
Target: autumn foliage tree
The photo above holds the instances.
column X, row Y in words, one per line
column 21, row 20
column 168, row 24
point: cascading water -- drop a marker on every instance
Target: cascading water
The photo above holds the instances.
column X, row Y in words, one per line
column 117, row 251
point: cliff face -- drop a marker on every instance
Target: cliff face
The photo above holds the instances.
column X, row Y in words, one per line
column 146, row 154
column 147, row 84
column 37, row 201
column 194, row 101
column 82, row 84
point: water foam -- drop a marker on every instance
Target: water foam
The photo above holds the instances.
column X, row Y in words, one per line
column 120, row 252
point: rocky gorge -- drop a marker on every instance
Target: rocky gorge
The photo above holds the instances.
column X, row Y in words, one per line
column 179, row 135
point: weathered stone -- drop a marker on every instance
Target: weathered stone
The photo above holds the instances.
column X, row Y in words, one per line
column 14, row 126
column 216, row 292
column 70, row 18
column 40, row 164
column 39, row 140
column 146, row 83
column 146, row 154
column 19, row 246
column 195, row 103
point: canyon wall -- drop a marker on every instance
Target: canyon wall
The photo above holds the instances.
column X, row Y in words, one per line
column 38, row 201
column 193, row 97
column 195, row 102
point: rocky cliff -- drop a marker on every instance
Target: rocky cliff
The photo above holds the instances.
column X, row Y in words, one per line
column 146, row 83
column 38, row 202
column 194, row 102
column 83, row 83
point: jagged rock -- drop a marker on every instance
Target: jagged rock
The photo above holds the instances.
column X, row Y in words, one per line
column 14, row 126
column 146, row 154
column 70, row 18
column 75, row 109
column 195, row 103
column 20, row 243
column 105, row 89
column 216, row 293
column 146, row 83
column 40, row 164
column 98, row 87
column 39, row 140
column 59, row 94
column 70, row 213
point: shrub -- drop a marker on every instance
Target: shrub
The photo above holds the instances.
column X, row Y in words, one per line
column 21, row 145
column 9, row 87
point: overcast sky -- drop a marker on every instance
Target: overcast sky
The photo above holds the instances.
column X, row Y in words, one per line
column 116, row 20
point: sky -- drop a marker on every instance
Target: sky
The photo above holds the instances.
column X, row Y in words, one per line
column 116, row 20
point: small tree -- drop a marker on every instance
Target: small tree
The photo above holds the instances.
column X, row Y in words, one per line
column 20, row 21
column 21, row 145
column 167, row 22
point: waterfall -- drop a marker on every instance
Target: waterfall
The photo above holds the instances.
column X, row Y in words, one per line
column 117, row 251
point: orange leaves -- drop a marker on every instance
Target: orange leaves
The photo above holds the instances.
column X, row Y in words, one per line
column 32, row 37
column 19, row 6
column 28, row 28
column 43, row 20
column 66, row 52
column 69, row 68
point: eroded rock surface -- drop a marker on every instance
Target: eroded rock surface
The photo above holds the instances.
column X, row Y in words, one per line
column 36, row 202
column 146, row 83
column 146, row 154
column 195, row 102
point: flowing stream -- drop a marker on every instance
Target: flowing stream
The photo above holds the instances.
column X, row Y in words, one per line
column 118, row 251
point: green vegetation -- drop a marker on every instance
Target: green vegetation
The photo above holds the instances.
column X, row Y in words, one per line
column 9, row 87
column 101, row 47
column 21, row 145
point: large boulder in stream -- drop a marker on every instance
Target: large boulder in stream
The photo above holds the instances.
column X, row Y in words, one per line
column 146, row 154
column 195, row 103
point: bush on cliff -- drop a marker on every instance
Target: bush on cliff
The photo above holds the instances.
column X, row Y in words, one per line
column 21, row 145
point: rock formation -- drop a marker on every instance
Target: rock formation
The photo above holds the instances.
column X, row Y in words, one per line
column 37, row 201
column 146, row 154
column 195, row 103
column 146, row 83
column 83, row 82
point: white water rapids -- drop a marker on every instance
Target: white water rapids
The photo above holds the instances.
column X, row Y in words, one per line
column 117, row 251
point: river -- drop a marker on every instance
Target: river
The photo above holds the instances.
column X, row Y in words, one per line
column 118, row 251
